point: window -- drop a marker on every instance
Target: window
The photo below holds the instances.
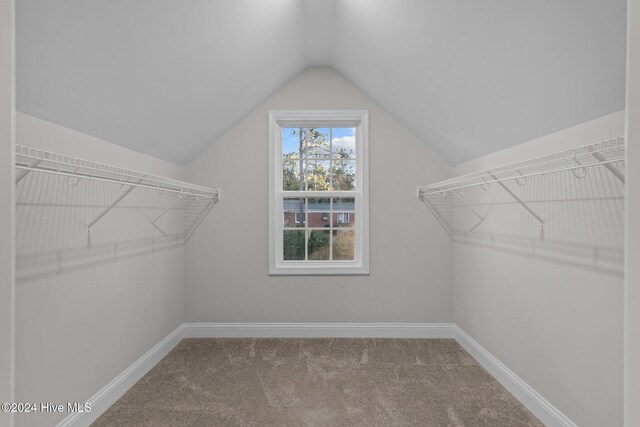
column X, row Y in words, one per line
column 318, row 191
column 342, row 218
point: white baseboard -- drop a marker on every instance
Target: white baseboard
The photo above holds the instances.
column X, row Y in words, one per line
column 108, row 395
column 318, row 330
column 531, row 399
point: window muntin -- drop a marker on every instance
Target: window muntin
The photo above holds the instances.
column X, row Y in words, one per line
column 318, row 184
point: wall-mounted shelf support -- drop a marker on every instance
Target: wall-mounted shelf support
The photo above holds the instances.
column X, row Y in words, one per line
column 164, row 212
column 200, row 218
column 24, row 173
column 609, row 166
column 519, row 200
column 111, row 206
column 464, row 202
column 435, row 213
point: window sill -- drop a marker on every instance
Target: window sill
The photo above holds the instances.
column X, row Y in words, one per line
column 318, row 270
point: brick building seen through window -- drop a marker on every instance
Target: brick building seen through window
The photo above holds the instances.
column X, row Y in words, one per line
column 318, row 212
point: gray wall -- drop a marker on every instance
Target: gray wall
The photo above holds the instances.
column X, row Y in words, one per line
column 6, row 206
column 227, row 271
column 555, row 324
column 632, row 297
column 82, row 324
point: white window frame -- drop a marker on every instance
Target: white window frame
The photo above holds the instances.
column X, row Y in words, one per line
column 358, row 119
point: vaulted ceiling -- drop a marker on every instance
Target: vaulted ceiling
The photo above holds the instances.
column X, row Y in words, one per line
column 169, row 77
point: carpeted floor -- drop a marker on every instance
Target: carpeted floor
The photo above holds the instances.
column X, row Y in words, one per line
column 317, row 382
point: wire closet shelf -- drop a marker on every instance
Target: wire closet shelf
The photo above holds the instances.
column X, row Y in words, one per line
column 471, row 192
column 192, row 200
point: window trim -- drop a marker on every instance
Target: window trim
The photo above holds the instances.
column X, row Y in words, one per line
column 318, row 118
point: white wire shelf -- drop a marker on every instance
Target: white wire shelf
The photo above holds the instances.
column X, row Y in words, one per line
column 173, row 209
column 604, row 152
column 34, row 159
column 586, row 178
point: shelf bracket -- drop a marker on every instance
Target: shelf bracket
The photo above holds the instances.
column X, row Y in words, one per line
column 153, row 223
column 435, row 214
column 519, row 200
column 113, row 205
column 471, row 209
column 615, row 171
column 23, row 173
column 200, row 218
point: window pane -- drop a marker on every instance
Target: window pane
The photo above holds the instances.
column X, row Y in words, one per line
column 344, row 175
column 318, row 212
column 343, row 245
column 318, row 245
column 292, row 175
column 291, row 142
column 293, row 212
column 293, row 245
column 316, row 143
column 317, row 175
column 343, row 143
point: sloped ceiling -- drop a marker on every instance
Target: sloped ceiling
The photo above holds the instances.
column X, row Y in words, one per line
column 472, row 77
column 169, row 77
column 162, row 77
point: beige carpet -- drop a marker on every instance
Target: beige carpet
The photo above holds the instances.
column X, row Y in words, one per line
column 317, row 382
